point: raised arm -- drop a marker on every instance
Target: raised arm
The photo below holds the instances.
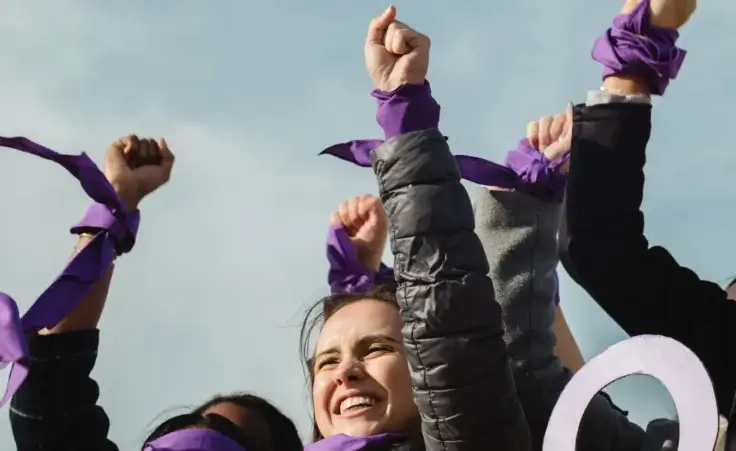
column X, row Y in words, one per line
column 452, row 329
column 518, row 229
column 641, row 287
column 56, row 406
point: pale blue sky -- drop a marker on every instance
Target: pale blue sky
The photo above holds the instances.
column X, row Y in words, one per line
column 247, row 94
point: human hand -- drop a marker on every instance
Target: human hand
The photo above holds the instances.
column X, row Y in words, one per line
column 137, row 167
column 552, row 136
column 367, row 225
column 668, row 14
column 395, row 54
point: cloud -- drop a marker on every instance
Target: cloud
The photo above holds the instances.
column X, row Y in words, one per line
column 247, row 93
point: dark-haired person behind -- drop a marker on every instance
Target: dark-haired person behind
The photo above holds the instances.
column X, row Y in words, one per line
column 55, row 409
column 642, row 287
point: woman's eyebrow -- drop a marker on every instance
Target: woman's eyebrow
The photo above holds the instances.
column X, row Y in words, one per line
column 332, row 350
column 379, row 337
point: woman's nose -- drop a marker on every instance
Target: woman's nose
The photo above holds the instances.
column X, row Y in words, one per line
column 350, row 371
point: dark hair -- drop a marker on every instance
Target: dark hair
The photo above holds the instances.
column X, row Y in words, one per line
column 283, row 432
column 320, row 312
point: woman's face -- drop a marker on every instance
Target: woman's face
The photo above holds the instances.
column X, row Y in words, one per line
column 361, row 378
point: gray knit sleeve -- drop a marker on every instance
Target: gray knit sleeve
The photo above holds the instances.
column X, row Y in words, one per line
column 519, row 236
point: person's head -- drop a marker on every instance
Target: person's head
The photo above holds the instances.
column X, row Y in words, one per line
column 358, row 372
column 731, row 290
column 249, row 420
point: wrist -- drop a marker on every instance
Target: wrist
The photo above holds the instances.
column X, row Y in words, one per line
column 371, row 263
column 408, row 108
column 128, row 197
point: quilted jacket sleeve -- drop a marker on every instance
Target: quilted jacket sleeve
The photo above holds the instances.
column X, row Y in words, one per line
column 452, row 330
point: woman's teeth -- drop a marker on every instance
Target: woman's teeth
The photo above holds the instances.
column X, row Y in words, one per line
column 356, row 401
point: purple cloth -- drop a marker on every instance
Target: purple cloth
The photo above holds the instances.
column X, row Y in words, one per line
column 633, row 46
column 525, row 170
column 194, row 440
column 342, row 442
column 346, row 274
column 82, row 271
column 410, row 108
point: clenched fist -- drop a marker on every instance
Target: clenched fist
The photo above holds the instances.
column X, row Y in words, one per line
column 668, row 14
column 137, row 167
column 395, row 54
column 367, row 225
column 552, row 136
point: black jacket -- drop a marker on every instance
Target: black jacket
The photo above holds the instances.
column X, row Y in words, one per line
column 452, row 325
column 56, row 408
column 604, row 248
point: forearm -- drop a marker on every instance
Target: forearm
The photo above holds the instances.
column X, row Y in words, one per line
column 87, row 313
column 566, row 347
column 519, row 236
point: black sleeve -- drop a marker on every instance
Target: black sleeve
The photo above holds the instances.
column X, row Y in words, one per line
column 452, row 329
column 56, row 408
column 604, row 249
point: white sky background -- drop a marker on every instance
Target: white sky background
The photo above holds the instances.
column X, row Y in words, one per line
column 247, row 93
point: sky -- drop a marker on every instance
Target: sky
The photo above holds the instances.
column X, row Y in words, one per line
column 231, row 252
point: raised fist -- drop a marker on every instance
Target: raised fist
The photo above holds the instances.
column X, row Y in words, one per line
column 395, row 54
column 552, row 136
column 137, row 167
column 669, row 14
column 367, row 224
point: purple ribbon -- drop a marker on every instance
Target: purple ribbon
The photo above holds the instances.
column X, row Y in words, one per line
column 347, row 274
column 82, row 271
column 194, row 440
column 525, row 169
column 633, row 46
column 342, row 442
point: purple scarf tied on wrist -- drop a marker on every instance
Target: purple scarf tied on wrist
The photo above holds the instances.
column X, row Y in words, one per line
column 525, row 169
column 194, row 440
column 347, row 274
column 633, row 46
column 117, row 230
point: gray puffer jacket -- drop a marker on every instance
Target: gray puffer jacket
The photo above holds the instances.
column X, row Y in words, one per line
column 452, row 329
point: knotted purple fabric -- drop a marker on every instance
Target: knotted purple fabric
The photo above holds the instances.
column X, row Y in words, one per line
column 347, row 274
column 525, row 169
column 194, row 440
column 633, row 46
column 118, row 228
column 342, row 442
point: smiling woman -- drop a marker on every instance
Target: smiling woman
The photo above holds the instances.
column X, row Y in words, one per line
column 358, row 373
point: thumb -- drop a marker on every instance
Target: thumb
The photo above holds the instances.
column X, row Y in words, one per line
column 166, row 157
column 116, row 156
column 335, row 218
column 558, row 148
column 569, row 114
column 379, row 25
